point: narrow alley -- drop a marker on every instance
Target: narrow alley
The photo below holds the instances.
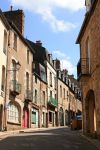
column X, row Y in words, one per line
column 55, row 139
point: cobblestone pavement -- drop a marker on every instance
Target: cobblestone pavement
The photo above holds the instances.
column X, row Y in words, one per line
column 54, row 139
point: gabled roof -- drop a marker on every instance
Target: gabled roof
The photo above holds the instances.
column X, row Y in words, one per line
column 4, row 20
column 41, row 53
column 20, row 35
column 86, row 20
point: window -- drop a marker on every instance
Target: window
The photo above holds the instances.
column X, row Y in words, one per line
column 50, row 79
column 55, row 82
column 43, row 97
column 13, row 113
column 13, row 69
column 67, row 93
column 35, row 79
column 5, row 42
column 15, row 42
column 27, row 81
column 33, row 117
column 42, row 72
column 60, row 91
column 3, row 79
column 50, row 94
column 28, row 56
column 35, row 96
column 64, row 92
column 88, row 54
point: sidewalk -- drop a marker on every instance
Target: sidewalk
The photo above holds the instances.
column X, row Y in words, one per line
column 8, row 133
column 95, row 142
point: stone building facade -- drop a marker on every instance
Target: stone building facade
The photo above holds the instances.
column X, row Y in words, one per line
column 4, row 32
column 89, row 68
column 69, row 102
column 19, row 76
column 39, row 104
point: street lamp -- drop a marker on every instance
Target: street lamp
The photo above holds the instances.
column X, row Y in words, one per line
column 18, row 65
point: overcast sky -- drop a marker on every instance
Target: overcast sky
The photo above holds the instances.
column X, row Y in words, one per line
column 56, row 23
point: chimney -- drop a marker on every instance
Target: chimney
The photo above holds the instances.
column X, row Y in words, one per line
column 11, row 8
column 17, row 17
column 58, row 67
column 39, row 43
column 65, row 72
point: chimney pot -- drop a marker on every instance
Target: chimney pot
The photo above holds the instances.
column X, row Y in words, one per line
column 39, row 43
column 11, row 8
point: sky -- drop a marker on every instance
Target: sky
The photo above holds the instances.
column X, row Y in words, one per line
column 56, row 23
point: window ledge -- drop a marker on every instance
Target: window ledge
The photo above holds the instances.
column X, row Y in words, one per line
column 15, row 123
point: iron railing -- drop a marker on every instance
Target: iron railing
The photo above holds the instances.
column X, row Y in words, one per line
column 15, row 87
column 29, row 95
column 83, row 67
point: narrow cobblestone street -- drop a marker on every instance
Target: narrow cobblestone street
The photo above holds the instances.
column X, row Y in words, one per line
column 55, row 139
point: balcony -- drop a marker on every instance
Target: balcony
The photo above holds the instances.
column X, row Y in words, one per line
column 53, row 102
column 83, row 67
column 15, row 87
column 29, row 95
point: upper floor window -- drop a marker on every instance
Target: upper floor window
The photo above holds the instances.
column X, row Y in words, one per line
column 43, row 97
column 13, row 69
column 50, row 79
column 60, row 91
column 15, row 42
column 64, row 92
column 42, row 72
column 55, row 82
column 87, row 48
column 35, row 96
column 28, row 56
column 5, row 42
column 27, row 81
column 67, row 93
column 3, row 79
column 35, row 79
column 88, row 54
